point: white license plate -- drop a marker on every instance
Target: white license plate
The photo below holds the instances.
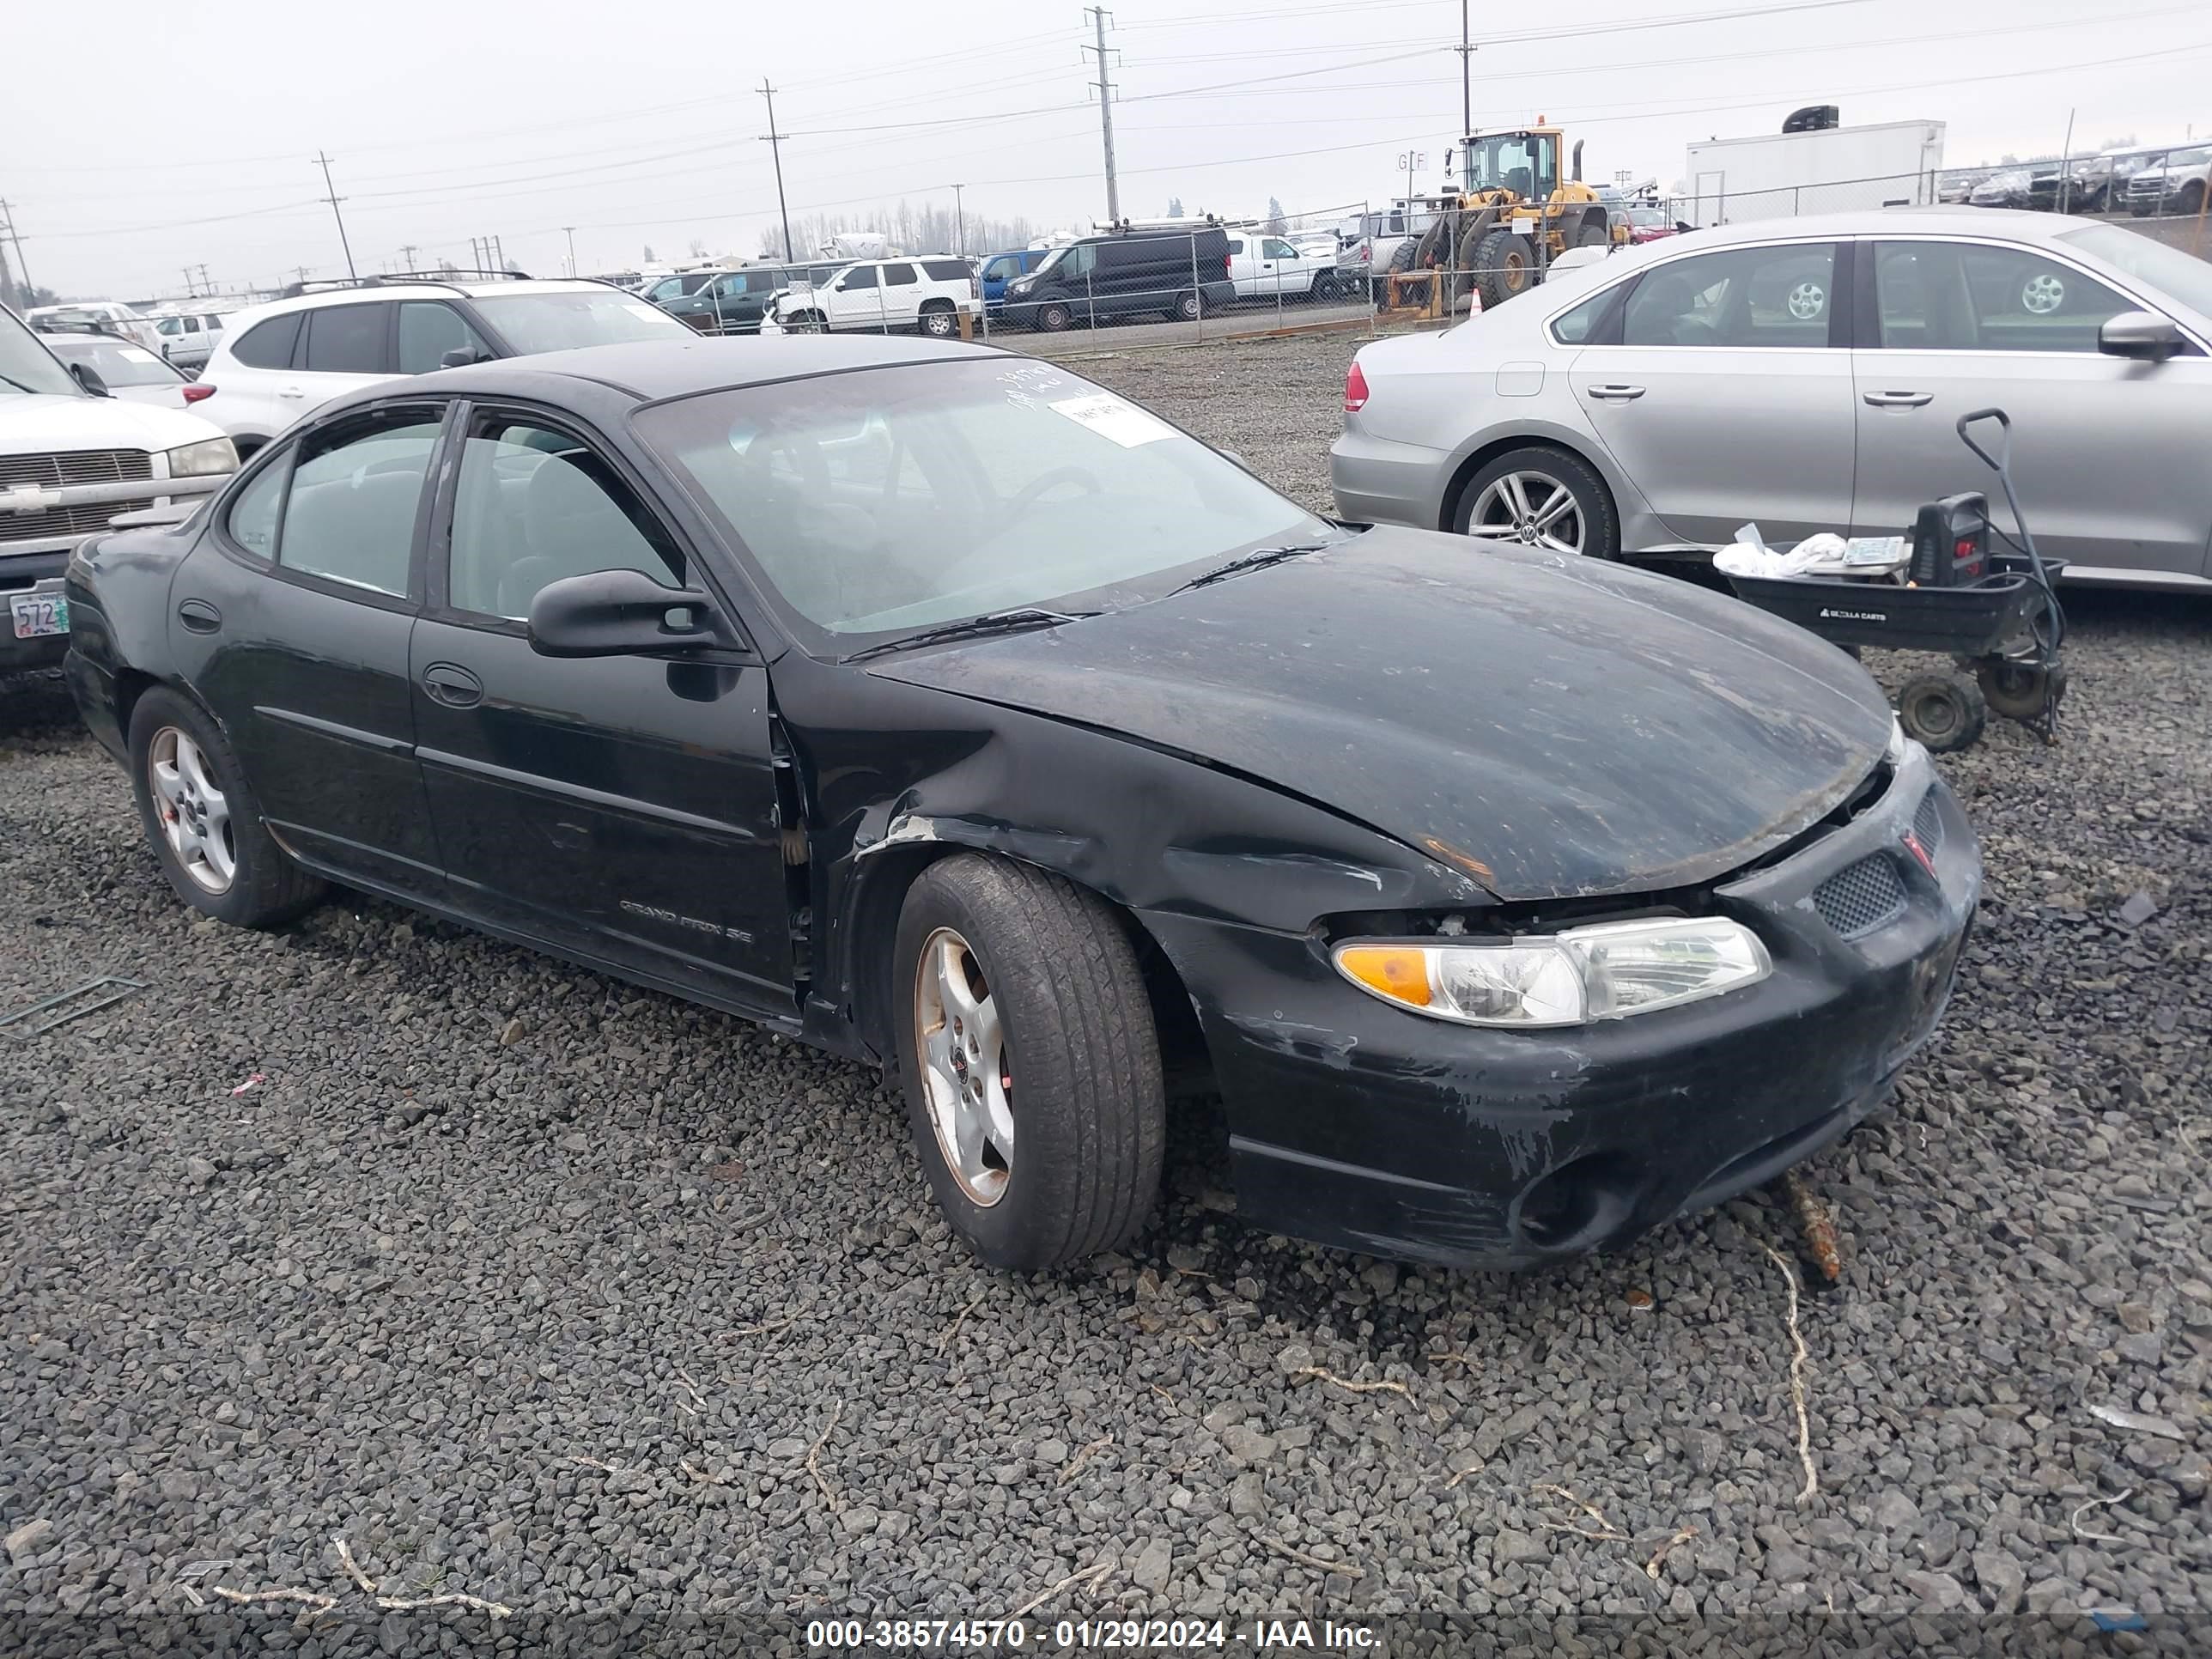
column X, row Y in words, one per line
column 37, row 615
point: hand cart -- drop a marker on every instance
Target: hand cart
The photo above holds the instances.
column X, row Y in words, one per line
column 1992, row 610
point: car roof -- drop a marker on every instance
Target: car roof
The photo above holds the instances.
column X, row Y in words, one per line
column 2012, row 224
column 431, row 288
column 651, row 370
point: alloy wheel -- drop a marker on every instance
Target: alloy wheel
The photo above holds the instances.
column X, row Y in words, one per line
column 195, row 816
column 1531, row 509
column 967, row 1067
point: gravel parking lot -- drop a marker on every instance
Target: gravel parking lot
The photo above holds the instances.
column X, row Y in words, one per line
column 537, row 1288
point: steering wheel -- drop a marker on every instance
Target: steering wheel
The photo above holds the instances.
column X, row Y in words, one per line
column 1034, row 490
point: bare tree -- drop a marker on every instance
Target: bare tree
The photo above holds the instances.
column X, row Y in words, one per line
column 913, row 228
column 1276, row 224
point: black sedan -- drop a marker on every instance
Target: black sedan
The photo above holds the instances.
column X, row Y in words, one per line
column 937, row 707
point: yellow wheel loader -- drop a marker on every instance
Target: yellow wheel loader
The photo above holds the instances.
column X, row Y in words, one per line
column 1514, row 214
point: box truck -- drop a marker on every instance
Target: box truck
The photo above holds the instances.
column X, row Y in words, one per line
column 1828, row 169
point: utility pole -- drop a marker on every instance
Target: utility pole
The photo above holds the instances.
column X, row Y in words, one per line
column 191, row 293
column 959, row 221
column 1466, row 76
column 16, row 236
column 498, row 254
column 571, row 231
column 334, row 198
column 407, row 251
column 1104, row 84
column 775, row 149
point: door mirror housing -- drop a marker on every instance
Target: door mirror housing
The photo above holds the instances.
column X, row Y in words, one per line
column 89, row 377
column 459, row 357
column 2140, row 334
column 623, row 613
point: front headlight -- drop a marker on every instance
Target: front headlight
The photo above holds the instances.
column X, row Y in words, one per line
column 198, row 460
column 1604, row 971
column 1021, row 285
column 1897, row 742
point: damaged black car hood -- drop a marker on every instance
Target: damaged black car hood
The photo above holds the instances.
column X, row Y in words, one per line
column 1553, row 726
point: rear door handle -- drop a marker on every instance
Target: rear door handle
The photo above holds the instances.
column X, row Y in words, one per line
column 1899, row 399
column 291, row 391
column 198, row 616
column 452, row 685
column 1617, row 394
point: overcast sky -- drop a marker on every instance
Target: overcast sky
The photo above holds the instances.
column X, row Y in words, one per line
column 181, row 132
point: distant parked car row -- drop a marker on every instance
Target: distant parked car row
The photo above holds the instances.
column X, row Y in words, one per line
column 2148, row 181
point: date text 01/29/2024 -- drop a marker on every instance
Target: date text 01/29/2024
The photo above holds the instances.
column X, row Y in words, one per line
column 1260, row 1636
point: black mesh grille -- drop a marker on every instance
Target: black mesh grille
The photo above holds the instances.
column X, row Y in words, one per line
column 76, row 466
column 1927, row 822
column 1861, row 896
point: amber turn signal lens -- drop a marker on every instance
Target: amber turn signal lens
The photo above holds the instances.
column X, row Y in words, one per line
column 1401, row 975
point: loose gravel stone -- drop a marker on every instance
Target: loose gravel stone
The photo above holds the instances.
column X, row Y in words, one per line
column 646, row 1313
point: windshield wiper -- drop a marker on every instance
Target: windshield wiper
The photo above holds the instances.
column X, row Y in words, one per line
column 1244, row 561
column 976, row 628
column 19, row 387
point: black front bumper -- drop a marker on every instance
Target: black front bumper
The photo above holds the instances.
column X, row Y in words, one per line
column 1355, row 1124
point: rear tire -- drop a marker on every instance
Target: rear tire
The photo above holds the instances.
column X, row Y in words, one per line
column 1067, row 1072
column 1188, row 309
column 262, row 886
column 1945, row 713
column 940, row 321
column 1596, row 524
column 1593, row 236
column 2015, row 689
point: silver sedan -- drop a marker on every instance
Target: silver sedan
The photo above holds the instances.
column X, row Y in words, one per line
column 1805, row 374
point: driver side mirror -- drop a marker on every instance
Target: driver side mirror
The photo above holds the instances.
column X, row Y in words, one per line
column 2139, row 335
column 459, row 357
column 89, row 377
column 622, row 613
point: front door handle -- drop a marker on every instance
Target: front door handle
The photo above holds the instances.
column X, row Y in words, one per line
column 1899, row 399
column 452, row 685
column 1617, row 394
column 198, row 616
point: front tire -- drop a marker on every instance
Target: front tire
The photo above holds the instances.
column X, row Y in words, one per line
column 203, row 820
column 1516, row 497
column 1030, row 1063
column 1053, row 317
column 1504, row 265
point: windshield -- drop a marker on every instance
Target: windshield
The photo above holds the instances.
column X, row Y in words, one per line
column 1520, row 163
column 561, row 319
column 2185, row 278
column 1646, row 217
column 1052, row 259
column 876, row 504
column 1007, row 265
column 116, row 361
column 27, row 365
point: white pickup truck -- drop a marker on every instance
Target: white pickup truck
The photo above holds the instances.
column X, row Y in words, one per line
column 71, row 460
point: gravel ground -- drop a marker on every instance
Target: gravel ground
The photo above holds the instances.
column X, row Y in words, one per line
column 537, row 1289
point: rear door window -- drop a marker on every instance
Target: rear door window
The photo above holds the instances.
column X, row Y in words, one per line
column 349, row 516
column 898, row 276
column 1738, row 297
column 347, row 340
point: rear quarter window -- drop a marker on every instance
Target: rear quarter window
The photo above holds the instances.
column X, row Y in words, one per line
column 269, row 345
column 946, row 271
